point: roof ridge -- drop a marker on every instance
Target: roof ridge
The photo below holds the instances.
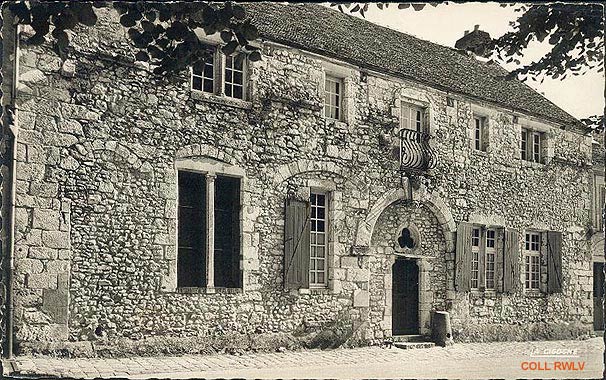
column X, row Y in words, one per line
column 330, row 32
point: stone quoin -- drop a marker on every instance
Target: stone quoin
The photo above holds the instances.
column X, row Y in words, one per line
column 344, row 187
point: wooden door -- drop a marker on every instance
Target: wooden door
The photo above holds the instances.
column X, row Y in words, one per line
column 405, row 297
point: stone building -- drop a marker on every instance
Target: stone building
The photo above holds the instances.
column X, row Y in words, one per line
column 355, row 177
column 597, row 236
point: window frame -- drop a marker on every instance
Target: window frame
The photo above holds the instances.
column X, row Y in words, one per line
column 313, row 233
column 408, row 108
column 210, row 177
column 202, row 77
column 219, row 74
column 339, row 107
column 476, row 251
column 531, row 145
column 224, row 59
column 532, row 260
column 480, row 134
column 490, row 252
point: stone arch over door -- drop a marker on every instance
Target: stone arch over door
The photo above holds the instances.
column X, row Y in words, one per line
column 434, row 203
column 377, row 236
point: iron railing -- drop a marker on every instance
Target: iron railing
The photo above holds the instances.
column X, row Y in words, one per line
column 415, row 153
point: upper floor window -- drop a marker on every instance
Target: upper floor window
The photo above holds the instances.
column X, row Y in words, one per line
column 203, row 75
column 480, row 133
column 234, row 77
column 530, row 147
column 333, row 94
column 412, row 117
column 228, row 72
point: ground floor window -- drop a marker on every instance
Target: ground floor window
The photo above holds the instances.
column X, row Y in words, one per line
column 490, row 258
column 475, row 258
column 208, row 223
column 306, row 229
column 317, row 264
column 532, row 245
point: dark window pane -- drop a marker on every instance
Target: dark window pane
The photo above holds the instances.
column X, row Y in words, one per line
column 208, row 71
column 208, row 86
column 197, row 83
column 320, row 226
column 228, row 76
column 237, row 77
column 191, row 258
column 197, row 69
column 227, row 232
column 320, row 213
column 238, row 92
column 228, row 89
column 321, row 199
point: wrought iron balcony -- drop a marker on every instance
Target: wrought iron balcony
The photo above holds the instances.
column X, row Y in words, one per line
column 415, row 153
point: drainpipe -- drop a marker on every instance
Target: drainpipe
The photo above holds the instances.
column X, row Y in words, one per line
column 10, row 128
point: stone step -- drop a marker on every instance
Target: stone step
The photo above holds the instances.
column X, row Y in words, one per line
column 414, row 345
column 410, row 338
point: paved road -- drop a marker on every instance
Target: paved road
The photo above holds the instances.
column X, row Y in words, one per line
column 472, row 360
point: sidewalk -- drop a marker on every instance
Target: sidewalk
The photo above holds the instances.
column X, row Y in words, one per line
column 470, row 360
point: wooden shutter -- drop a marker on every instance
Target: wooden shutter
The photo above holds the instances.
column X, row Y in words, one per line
column 511, row 264
column 554, row 262
column 498, row 258
column 463, row 258
column 296, row 244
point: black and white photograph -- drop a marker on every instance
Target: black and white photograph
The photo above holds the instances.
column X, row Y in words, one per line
column 302, row 190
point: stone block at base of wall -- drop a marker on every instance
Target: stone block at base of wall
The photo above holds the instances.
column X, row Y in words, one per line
column 165, row 345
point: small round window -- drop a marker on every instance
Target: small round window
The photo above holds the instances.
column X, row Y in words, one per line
column 406, row 239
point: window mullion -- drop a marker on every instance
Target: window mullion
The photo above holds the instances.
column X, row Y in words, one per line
column 219, row 72
column 210, row 232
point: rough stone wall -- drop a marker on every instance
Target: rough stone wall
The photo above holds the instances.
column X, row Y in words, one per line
column 96, row 196
column 430, row 249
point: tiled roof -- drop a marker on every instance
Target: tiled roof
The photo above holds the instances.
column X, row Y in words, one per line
column 331, row 33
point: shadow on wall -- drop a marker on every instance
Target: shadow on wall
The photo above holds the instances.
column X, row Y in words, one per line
column 342, row 332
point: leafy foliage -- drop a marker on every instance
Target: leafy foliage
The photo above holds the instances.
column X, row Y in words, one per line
column 596, row 123
column 362, row 8
column 575, row 31
column 165, row 33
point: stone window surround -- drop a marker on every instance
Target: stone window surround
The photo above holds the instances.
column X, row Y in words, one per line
column 219, row 97
column 347, row 93
column 484, row 133
column 416, row 98
column 483, row 113
column 211, row 168
column 488, row 222
column 547, row 143
column 333, row 216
